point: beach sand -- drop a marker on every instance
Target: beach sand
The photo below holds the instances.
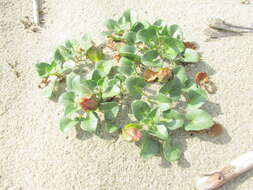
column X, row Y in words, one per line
column 36, row 155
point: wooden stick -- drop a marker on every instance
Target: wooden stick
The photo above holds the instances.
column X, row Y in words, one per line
column 36, row 15
column 230, row 171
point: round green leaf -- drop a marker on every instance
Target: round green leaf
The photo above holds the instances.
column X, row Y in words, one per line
column 90, row 123
column 173, row 48
column 110, row 88
column 67, row 123
column 126, row 66
column 159, row 131
column 151, row 59
column 43, row 69
column 110, row 128
column 198, row 120
column 140, row 109
column 110, row 109
column 67, row 98
column 86, row 42
column 49, row 90
column 129, row 52
column 191, row 56
column 174, row 119
column 130, row 37
column 175, row 31
column 171, row 152
column 173, row 88
column 104, row 67
column 95, row 54
column 111, row 24
column 134, row 86
column 70, row 108
column 149, row 147
column 147, row 35
column 130, row 16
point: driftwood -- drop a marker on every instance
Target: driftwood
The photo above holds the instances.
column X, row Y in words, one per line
column 233, row 169
column 36, row 12
column 218, row 28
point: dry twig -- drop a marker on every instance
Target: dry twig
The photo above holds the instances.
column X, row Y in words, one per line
column 233, row 169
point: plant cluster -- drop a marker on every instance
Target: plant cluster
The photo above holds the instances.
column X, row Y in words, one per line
column 137, row 55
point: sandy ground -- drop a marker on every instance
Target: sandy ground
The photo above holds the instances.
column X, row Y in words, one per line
column 35, row 155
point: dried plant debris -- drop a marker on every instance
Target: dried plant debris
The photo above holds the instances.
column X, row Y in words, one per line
column 202, row 79
column 246, row 2
column 215, row 130
column 14, row 68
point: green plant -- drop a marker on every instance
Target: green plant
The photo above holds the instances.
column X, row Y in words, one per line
column 139, row 56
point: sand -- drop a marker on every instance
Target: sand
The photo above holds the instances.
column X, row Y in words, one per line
column 35, row 155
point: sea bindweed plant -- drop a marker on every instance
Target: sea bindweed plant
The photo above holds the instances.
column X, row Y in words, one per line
column 136, row 56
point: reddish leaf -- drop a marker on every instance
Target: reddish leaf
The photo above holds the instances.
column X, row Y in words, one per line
column 215, row 130
column 165, row 74
column 150, row 76
column 201, row 78
column 191, row 45
column 88, row 104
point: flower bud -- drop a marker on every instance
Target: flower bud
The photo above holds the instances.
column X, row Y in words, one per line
column 88, row 104
column 132, row 134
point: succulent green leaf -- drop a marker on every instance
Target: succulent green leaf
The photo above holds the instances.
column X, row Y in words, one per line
column 43, row 69
column 65, row 53
column 110, row 128
column 159, row 22
column 70, row 108
column 171, row 152
column 195, row 96
column 151, row 59
column 126, row 66
column 86, row 42
column 172, row 88
column 159, row 131
column 173, row 48
column 130, row 37
column 147, row 35
column 110, row 88
column 111, row 24
column 58, row 57
column 180, row 73
column 130, row 16
column 138, row 26
column 140, row 109
column 134, row 86
column 174, row 119
column 104, row 67
column 191, row 56
column 67, row 98
column 129, row 51
column 49, row 90
column 110, row 109
column 67, row 123
column 175, row 31
column 90, row 123
column 198, row 120
column 149, row 147
column 164, row 102
column 95, row 54
column 71, row 44
column 70, row 77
